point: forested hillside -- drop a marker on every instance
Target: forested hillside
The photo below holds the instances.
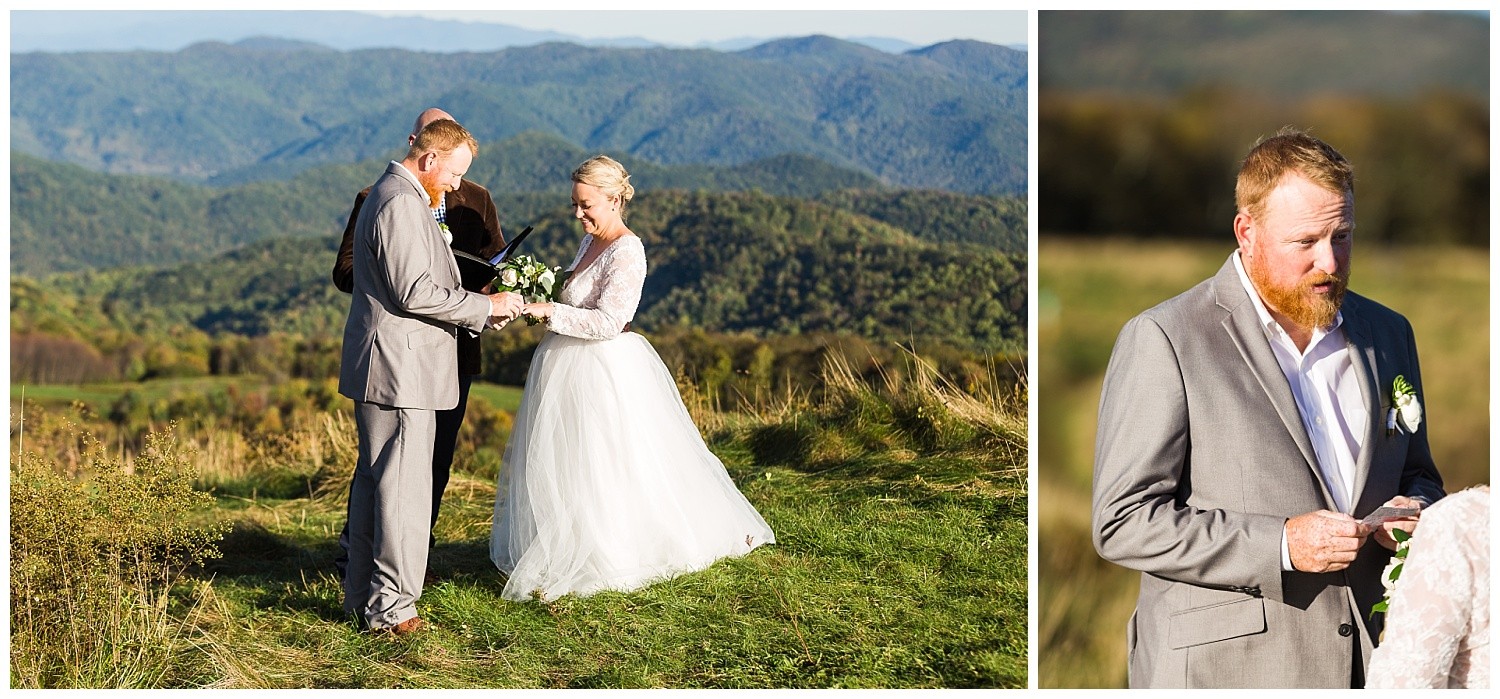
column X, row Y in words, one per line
column 951, row 116
column 745, row 262
column 66, row 218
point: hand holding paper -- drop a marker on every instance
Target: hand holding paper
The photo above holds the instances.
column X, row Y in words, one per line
column 1399, row 512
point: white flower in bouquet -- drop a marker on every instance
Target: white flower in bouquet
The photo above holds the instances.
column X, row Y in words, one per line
column 509, row 277
column 1392, row 572
column 533, row 280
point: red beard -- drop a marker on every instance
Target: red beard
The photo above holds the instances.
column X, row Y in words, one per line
column 1299, row 303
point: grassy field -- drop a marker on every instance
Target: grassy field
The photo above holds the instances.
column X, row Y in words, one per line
column 99, row 396
column 1087, row 289
column 900, row 561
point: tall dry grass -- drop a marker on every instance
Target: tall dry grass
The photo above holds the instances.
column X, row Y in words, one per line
column 95, row 561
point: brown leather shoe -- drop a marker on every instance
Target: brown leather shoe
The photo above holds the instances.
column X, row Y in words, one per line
column 409, row 626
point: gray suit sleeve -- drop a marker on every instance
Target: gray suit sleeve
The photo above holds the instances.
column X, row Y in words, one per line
column 406, row 257
column 1141, row 519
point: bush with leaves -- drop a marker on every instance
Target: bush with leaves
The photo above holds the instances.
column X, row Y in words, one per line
column 94, row 564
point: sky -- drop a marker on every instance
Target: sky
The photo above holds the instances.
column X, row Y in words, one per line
column 1003, row 22
column 685, row 28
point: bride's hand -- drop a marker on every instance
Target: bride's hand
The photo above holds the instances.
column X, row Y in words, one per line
column 540, row 311
column 1409, row 524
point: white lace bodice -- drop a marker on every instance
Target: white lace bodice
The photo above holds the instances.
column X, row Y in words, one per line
column 1437, row 633
column 600, row 299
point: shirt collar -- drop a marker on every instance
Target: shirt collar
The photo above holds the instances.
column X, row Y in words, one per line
column 1269, row 323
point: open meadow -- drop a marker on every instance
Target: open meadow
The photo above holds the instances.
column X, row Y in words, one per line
column 1088, row 288
column 899, row 509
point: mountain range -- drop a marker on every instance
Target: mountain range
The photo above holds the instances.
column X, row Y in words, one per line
column 66, row 217
column 949, row 116
column 126, row 30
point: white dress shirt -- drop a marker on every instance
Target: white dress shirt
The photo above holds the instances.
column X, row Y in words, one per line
column 1328, row 395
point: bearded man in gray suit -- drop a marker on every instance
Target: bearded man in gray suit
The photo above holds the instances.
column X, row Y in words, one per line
column 400, row 365
column 1246, row 427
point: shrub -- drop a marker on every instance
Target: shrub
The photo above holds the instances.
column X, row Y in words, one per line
column 94, row 562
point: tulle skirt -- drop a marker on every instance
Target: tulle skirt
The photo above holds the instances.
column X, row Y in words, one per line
column 606, row 483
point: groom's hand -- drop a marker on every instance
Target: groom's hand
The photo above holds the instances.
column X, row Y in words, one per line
column 1408, row 524
column 505, row 305
column 1324, row 541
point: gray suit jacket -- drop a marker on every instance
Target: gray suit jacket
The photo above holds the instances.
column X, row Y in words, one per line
column 400, row 346
column 1200, row 459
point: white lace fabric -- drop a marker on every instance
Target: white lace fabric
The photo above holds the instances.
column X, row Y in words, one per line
column 600, row 299
column 1437, row 632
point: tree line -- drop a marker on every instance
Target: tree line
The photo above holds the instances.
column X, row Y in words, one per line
column 1148, row 167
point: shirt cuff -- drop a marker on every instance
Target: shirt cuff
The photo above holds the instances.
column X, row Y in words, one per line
column 1286, row 553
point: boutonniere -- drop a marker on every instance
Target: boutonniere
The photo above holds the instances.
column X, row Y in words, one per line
column 1405, row 408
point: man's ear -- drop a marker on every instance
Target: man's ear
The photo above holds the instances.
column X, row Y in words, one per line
column 1244, row 232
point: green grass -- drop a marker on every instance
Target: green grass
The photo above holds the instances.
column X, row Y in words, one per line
column 1087, row 289
column 507, row 398
column 881, row 577
column 900, row 562
column 102, row 395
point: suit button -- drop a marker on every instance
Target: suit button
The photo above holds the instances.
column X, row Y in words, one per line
column 1346, row 630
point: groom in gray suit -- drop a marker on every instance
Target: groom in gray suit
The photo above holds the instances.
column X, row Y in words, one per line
column 1245, row 429
column 400, row 365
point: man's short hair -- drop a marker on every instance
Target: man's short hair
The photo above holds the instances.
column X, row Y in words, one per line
column 1290, row 150
column 442, row 137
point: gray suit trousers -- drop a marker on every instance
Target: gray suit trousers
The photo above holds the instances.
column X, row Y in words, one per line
column 390, row 512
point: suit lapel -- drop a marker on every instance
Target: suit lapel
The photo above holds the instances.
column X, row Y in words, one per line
column 1243, row 326
column 431, row 229
column 1362, row 356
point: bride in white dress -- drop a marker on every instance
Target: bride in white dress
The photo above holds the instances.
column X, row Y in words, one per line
column 606, row 483
column 1437, row 633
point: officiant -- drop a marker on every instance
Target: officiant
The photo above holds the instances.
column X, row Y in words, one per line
column 470, row 221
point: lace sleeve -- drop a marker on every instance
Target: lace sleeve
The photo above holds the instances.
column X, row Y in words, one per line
column 617, row 294
column 1439, row 612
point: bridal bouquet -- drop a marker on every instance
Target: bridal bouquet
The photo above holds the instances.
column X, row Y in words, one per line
column 534, row 281
column 1392, row 571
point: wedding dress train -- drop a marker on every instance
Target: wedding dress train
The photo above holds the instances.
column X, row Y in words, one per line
column 606, row 483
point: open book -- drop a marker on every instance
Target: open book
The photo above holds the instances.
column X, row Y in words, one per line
column 475, row 272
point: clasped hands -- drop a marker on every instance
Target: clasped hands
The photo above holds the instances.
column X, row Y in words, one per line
column 1325, row 541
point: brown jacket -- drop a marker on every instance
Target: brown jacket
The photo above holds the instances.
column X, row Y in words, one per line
column 476, row 230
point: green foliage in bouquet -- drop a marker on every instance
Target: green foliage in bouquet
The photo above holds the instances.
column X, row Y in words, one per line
column 534, row 281
column 1393, row 571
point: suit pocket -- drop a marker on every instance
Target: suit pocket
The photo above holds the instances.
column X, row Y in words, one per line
column 1216, row 622
column 425, row 337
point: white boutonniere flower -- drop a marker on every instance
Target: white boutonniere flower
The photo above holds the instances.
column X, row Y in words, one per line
column 1405, row 407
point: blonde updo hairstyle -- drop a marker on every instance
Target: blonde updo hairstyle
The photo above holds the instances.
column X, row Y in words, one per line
column 609, row 176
